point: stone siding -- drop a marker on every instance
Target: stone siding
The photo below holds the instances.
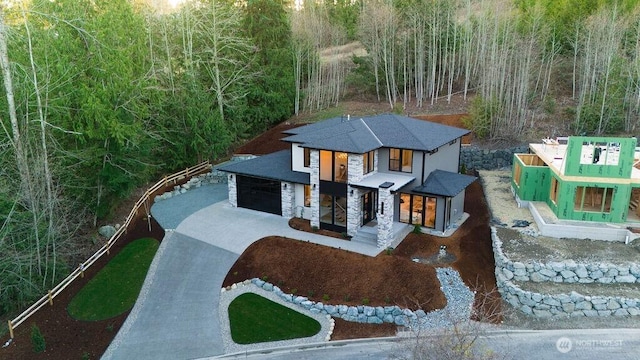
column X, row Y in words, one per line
column 567, row 271
column 481, row 159
column 288, row 199
column 354, row 212
column 314, row 180
column 233, row 190
column 385, row 218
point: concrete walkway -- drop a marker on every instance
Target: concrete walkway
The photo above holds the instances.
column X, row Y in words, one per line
column 176, row 314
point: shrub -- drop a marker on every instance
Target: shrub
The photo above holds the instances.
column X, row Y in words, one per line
column 417, row 229
column 37, row 339
column 311, row 293
column 365, row 301
column 325, row 297
column 347, row 297
column 314, row 228
column 387, row 299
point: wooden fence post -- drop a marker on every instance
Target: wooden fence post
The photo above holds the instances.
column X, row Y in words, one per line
column 10, row 328
column 81, row 270
column 50, row 298
column 187, row 172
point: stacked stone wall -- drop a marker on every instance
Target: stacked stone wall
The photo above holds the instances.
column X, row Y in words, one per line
column 568, row 272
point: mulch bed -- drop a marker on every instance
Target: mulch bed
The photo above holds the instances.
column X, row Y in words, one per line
column 67, row 338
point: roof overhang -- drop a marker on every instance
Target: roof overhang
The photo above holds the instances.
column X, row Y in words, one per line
column 374, row 181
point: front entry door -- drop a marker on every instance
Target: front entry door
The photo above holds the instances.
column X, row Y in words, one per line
column 369, row 201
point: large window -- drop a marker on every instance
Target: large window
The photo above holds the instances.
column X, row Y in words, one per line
column 333, row 166
column 594, row 199
column 400, row 160
column 600, row 153
column 418, row 209
column 333, row 210
column 368, row 161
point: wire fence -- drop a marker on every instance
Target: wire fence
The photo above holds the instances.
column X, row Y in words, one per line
column 142, row 203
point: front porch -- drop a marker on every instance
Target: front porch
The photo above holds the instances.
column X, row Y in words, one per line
column 368, row 234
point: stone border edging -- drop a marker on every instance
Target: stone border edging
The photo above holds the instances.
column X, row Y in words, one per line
column 568, row 271
column 458, row 307
column 327, row 324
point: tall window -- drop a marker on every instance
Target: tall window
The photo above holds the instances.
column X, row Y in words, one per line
column 418, row 209
column 368, row 161
column 517, row 171
column 307, row 195
column 307, row 157
column 553, row 194
column 333, row 166
column 400, row 160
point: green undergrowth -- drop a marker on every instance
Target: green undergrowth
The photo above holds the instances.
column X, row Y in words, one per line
column 115, row 288
column 255, row 319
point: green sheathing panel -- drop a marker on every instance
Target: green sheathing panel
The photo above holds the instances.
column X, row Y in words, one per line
column 534, row 181
column 565, row 208
column 622, row 170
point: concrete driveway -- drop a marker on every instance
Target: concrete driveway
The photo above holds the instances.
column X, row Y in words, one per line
column 176, row 314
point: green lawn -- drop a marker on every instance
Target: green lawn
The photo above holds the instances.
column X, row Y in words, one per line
column 255, row 319
column 115, row 288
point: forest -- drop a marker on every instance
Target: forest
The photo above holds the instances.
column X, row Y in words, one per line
column 102, row 96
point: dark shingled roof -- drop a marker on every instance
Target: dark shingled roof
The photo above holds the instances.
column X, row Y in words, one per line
column 275, row 166
column 359, row 135
column 445, row 183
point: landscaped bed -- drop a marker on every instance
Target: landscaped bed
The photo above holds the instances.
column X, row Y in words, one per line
column 255, row 319
column 115, row 288
column 338, row 277
column 66, row 337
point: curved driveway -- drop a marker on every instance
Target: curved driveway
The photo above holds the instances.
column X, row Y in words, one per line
column 176, row 314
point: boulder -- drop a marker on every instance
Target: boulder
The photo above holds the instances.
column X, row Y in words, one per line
column 626, row 279
column 107, row 231
column 613, row 305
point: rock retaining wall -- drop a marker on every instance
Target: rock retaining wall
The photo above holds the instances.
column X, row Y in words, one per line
column 568, row 271
column 459, row 303
column 481, row 159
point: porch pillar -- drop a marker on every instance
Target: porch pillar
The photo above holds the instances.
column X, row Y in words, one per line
column 354, row 211
column 287, row 190
column 314, row 182
column 233, row 190
column 385, row 215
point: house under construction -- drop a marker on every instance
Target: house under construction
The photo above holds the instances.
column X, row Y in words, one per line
column 573, row 185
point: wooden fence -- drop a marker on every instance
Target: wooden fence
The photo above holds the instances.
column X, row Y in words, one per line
column 143, row 202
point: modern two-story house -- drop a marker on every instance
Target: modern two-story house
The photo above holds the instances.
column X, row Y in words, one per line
column 345, row 173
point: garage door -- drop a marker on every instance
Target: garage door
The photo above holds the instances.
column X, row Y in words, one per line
column 259, row 194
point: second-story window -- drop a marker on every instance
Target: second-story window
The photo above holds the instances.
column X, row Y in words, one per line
column 307, row 157
column 368, row 162
column 400, row 160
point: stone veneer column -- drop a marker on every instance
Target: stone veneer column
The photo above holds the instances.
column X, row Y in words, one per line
column 355, row 174
column 288, row 191
column 233, row 190
column 314, row 181
column 385, row 215
column 354, row 211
